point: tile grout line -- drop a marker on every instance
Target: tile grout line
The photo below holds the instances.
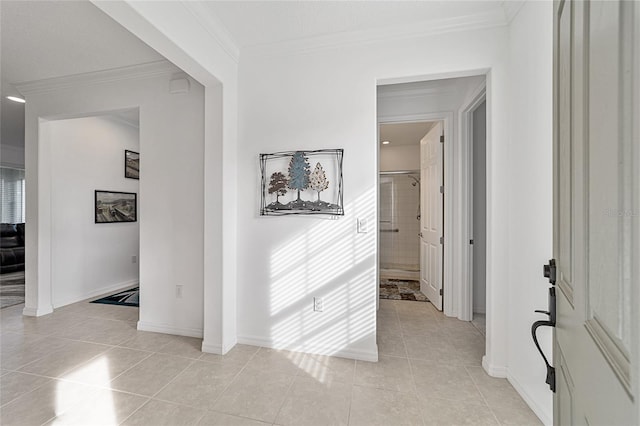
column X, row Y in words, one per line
column 413, row 381
column 172, row 380
column 353, row 383
column 26, row 393
column 285, row 397
column 483, row 397
column 236, row 376
column 135, row 411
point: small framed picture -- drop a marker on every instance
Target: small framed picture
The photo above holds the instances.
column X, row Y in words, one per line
column 131, row 164
column 113, row 206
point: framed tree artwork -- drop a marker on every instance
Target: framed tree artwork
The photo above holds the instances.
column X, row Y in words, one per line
column 302, row 182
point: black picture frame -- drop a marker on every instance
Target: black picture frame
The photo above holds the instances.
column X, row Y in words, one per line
column 131, row 164
column 122, row 206
column 291, row 185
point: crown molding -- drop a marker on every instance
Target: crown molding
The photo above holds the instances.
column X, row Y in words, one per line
column 489, row 19
column 214, row 26
column 394, row 92
column 146, row 70
column 512, row 8
column 121, row 120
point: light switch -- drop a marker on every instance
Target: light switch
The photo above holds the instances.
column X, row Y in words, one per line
column 362, row 225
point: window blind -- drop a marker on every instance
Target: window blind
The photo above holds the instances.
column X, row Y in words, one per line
column 12, row 196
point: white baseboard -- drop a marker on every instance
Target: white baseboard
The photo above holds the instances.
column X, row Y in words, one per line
column 35, row 312
column 545, row 417
column 215, row 348
column 357, row 354
column 169, row 329
column 125, row 285
column 494, row 370
column 212, row 348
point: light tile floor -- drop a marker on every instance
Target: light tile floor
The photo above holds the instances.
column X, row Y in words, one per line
column 86, row 364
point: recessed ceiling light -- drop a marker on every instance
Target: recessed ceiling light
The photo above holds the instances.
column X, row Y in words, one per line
column 16, row 99
column 385, row 142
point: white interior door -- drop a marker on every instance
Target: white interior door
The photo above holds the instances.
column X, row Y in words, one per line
column 596, row 232
column 431, row 225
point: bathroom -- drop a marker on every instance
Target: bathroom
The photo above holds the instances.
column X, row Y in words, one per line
column 400, row 209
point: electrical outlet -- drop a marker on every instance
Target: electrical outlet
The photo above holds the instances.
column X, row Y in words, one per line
column 179, row 291
column 317, row 304
column 134, row 259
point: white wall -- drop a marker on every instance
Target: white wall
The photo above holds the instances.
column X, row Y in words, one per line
column 89, row 259
column 171, row 215
column 530, row 197
column 479, row 140
column 402, row 157
column 186, row 34
column 327, row 99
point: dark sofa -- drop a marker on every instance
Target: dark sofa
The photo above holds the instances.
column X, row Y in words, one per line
column 11, row 247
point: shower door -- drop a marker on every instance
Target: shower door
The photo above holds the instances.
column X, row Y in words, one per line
column 431, row 228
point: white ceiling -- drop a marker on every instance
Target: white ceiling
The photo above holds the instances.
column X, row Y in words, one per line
column 402, row 134
column 44, row 39
column 262, row 22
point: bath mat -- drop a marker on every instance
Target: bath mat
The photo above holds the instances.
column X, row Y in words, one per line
column 126, row 298
column 401, row 290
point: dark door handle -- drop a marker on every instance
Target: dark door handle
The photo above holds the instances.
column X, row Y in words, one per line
column 549, row 272
column 551, row 371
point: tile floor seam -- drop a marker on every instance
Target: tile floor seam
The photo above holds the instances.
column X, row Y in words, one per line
column 483, row 397
column 173, row 379
column 135, row 411
column 351, row 401
column 150, row 354
column 204, row 413
column 30, row 362
column 235, row 377
column 26, row 393
column 49, row 420
column 79, row 341
column 275, row 419
column 353, row 382
column 404, row 344
column 74, row 367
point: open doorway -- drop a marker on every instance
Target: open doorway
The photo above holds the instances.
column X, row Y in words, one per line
column 94, row 180
column 441, row 166
column 410, row 214
column 478, row 241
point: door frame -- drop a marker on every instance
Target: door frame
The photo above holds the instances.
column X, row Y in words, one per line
column 466, row 144
column 450, row 288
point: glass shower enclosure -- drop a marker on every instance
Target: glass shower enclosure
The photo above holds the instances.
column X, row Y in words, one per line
column 399, row 224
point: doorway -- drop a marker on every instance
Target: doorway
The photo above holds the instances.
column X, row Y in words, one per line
column 447, row 100
column 404, row 266
column 95, row 233
column 478, row 241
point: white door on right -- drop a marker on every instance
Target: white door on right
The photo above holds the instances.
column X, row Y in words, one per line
column 596, row 212
column 431, row 212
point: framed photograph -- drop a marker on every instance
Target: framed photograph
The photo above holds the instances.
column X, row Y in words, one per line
column 302, row 182
column 131, row 164
column 113, row 206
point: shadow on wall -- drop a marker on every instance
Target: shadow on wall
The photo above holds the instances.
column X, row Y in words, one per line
column 331, row 261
